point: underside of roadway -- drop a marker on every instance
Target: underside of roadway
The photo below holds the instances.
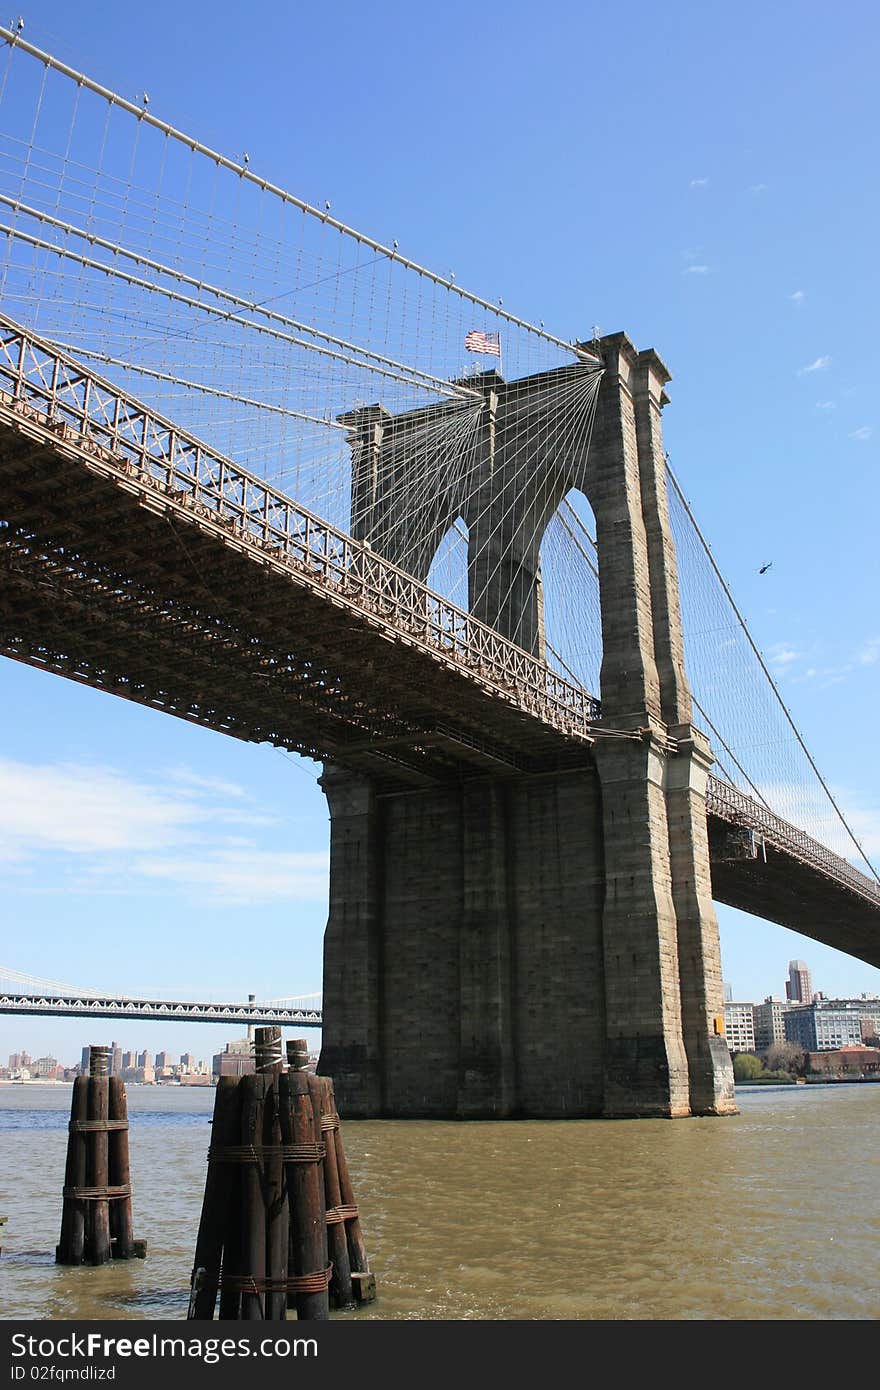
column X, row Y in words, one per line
column 106, row 585
column 781, row 888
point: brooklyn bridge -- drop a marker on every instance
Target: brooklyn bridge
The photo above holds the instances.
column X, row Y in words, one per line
column 246, row 478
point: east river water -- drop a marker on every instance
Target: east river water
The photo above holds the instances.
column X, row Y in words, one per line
column 770, row 1214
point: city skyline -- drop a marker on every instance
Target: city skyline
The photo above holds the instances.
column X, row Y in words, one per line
column 221, row 1035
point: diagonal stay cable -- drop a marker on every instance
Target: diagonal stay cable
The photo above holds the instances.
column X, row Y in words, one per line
column 742, row 622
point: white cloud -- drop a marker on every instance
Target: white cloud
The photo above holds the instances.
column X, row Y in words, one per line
column 870, row 652
column 189, row 779
column 782, row 656
column 862, row 433
column 797, row 298
column 91, row 828
column 757, row 187
column 81, row 810
column 698, row 183
column 698, row 270
column 826, row 675
column 826, row 405
column 819, row 364
column 244, row 875
column 782, row 660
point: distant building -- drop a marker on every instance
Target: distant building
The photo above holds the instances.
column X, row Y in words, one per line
column 115, row 1060
column 739, row 1027
column 162, row 1065
column 867, row 1006
column 728, row 993
column 799, row 985
column 237, row 1059
column 865, row 1061
column 145, row 1076
column 769, row 1025
column 84, row 1062
column 820, row 1028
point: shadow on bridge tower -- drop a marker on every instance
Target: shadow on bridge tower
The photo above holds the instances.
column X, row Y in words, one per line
column 536, row 945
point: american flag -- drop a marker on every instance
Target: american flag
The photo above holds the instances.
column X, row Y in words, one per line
column 483, row 342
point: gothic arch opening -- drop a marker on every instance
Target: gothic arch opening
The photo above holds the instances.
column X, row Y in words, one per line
column 448, row 571
column 570, row 592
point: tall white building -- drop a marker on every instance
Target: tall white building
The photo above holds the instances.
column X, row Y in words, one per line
column 739, row 1027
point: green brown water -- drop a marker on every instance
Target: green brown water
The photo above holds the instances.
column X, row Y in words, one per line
column 773, row 1213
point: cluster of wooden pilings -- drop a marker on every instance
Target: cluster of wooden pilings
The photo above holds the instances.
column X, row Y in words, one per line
column 279, row 1228
column 96, row 1214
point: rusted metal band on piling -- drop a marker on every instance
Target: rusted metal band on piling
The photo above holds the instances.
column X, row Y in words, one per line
column 99, row 1060
column 98, row 1194
column 95, row 1126
column 341, row 1213
column 293, row 1283
column 252, row 1153
column 268, row 1052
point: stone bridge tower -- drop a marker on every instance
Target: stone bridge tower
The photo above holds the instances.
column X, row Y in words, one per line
column 537, row 945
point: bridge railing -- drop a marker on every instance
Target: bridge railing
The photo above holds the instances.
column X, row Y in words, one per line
column 732, row 805
column 42, row 383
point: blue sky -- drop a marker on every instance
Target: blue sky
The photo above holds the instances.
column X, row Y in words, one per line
column 703, row 179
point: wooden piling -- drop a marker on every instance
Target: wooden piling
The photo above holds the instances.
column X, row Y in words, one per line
column 253, row 1203
column 297, row 1054
column 71, row 1245
column 123, row 1243
column 308, row 1218
column 269, row 1063
column 341, row 1293
column 217, row 1220
column 233, row 1259
column 363, row 1281
column 96, row 1215
column 265, row 1230
column 98, row 1249
column 297, row 1050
